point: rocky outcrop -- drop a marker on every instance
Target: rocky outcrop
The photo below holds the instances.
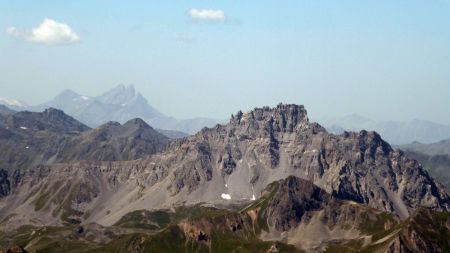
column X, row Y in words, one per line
column 293, row 200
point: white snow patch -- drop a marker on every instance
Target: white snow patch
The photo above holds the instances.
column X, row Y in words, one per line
column 27, row 147
column 225, row 196
column 124, row 104
column 24, row 128
column 84, row 97
column 253, row 197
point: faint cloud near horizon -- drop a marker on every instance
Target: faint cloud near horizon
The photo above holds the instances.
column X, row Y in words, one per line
column 49, row 32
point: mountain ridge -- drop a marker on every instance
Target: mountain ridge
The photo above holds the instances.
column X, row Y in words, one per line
column 29, row 139
column 231, row 164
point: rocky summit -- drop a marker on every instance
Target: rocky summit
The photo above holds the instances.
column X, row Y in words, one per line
column 307, row 186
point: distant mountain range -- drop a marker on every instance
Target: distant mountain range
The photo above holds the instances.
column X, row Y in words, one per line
column 120, row 104
column 123, row 103
column 395, row 132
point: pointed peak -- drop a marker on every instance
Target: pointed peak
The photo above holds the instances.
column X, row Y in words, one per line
column 137, row 122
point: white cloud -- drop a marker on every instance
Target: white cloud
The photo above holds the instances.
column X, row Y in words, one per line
column 48, row 32
column 53, row 32
column 207, row 14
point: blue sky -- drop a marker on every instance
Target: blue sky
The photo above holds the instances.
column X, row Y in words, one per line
column 382, row 59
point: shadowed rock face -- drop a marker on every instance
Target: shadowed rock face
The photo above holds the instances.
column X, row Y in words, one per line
column 240, row 159
column 293, row 199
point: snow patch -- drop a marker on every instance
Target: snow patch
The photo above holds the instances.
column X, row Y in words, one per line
column 24, row 128
column 253, row 197
column 84, row 97
column 225, row 196
column 124, row 104
column 27, row 147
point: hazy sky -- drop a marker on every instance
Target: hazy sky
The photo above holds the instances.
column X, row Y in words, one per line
column 382, row 59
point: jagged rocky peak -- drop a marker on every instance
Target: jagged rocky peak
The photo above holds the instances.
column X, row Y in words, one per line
column 284, row 117
column 119, row 95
